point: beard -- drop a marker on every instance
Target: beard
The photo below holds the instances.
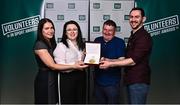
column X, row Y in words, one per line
column 136, row 24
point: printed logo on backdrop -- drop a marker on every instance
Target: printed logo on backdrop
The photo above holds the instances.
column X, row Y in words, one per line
column 60, row 17
column 163, row 25
column 71, row 5
column 118, row 29
column 82, row 17
column 19, row 27
column 106, row 17
column 117, row 5
column 96, row 28
column 126, row 17
column 96, row 5
column 50, row 5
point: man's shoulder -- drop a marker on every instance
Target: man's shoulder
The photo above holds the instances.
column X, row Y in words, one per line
column 98, row 38
column 144, row 33
column 118, row 39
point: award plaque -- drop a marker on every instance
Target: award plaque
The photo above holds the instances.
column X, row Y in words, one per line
column 93, row 51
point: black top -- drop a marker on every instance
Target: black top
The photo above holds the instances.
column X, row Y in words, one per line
column 139, row 49
column 41, row 45
column 46, row 84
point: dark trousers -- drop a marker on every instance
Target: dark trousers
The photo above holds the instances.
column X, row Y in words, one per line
column 46, row 87
column 107, row 94
column 73, row 87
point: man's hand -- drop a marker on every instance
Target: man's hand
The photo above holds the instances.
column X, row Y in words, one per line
column 104, row 64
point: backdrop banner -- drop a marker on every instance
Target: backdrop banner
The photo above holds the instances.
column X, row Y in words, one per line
column 18, row 20
column 163, row 23
column 116, row 10
column 60, row 12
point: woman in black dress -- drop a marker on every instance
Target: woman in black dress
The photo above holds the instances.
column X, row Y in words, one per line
column 45, row 85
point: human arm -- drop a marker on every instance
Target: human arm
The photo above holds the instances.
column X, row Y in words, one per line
column 112, row 60
column 121, row 62
column 118, row 52
column 140, row 51
column 48, row 60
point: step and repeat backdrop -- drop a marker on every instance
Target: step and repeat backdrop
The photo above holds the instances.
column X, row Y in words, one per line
column 19, row 20
column 117, row 10
column 90, row 14
column 61, row 11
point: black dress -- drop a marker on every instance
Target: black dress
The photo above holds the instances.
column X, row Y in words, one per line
column 45, row 84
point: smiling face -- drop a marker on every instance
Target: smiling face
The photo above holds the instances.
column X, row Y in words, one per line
column 136, row 19
column 108, row 32
column 71, row 32
column 48, row 30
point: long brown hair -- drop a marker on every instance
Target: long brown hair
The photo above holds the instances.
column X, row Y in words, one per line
column 40, row 37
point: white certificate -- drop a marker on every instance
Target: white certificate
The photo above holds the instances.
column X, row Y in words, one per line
column 93, row 51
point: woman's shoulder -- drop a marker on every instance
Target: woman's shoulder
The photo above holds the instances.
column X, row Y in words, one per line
column 40, row 45
column 61, row 44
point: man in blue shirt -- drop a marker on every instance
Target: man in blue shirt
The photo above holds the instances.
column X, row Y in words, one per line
column 107, row 81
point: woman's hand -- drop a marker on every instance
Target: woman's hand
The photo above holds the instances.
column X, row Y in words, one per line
column 80, row 65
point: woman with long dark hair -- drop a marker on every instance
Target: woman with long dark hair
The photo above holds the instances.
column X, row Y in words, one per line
column 68, row 51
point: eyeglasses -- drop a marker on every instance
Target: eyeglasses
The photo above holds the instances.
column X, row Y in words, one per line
column 70, row 30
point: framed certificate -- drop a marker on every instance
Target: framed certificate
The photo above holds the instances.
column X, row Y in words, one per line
column 93, row 51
